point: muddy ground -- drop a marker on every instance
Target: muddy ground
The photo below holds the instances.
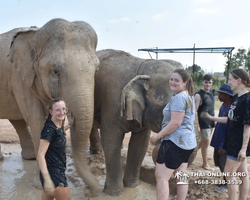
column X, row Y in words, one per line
column 19, row 178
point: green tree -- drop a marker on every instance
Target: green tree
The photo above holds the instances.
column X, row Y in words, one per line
column 198, row 77
column 240, row 59
column 196, row 72
column 194, row 69
column 247, row 60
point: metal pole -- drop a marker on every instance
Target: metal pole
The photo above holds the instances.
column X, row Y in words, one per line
column 156, row 54
column 150, row 55
column 229, row 55
column 193, row 61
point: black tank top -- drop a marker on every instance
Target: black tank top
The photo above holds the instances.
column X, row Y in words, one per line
column 206, row 106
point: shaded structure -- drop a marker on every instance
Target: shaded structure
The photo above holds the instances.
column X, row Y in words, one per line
column 194, row 50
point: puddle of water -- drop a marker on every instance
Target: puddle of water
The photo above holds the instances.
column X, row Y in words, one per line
column 17, row 177
column 19, row 180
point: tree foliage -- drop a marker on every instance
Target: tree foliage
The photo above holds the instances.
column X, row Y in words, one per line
column 240, row 59
column 247, row 60
column 195, row 69
column 196, row 72
column 197, row 75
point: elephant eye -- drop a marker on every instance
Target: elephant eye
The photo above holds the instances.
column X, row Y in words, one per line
column 56, row 72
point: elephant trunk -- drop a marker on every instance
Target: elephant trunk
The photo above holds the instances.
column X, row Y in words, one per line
column 82, row 109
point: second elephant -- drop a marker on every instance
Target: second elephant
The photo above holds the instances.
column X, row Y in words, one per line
column 130, row 94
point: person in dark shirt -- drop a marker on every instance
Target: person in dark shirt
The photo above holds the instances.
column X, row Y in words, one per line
column 220, row 156
column 204, row 101
column 236, row 141
column 51, row 155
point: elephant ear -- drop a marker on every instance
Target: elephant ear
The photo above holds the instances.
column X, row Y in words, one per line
column 133, row 100
column 22, row 55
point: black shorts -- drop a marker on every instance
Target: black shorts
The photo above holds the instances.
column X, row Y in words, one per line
column 172, row 155
column 59, row 179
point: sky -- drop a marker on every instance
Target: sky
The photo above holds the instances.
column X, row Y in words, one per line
column 134, row 24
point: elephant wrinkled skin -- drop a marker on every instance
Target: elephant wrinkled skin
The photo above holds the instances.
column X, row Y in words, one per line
column 130, row 94
column 44, row 63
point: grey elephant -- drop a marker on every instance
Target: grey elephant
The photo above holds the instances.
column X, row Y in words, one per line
column 130, row 94
column 42, row 64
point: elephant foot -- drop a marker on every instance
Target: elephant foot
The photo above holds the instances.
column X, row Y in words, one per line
column 113, row 191
column 1, row 156
column 28, row 155
column 91, row 193
column 131, row 183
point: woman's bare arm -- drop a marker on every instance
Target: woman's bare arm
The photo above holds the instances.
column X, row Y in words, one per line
column 48, row 184
column 43, row 147
column 246, row 136
column 205, row 115
column 176, row 120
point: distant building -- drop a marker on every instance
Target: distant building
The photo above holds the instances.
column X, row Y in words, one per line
column 219, row 75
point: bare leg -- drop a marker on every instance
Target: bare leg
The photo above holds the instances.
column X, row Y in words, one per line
column 60, row 193
column 162, row 175
column 204, row 148
column 25, row 138
column 232, row 166
column 245, row 180
column 182, row 190
column 46, row 197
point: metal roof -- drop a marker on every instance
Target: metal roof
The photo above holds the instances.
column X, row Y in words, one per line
column 190, row 50
column 194, row 50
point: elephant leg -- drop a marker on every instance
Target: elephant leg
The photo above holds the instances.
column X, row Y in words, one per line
column 1, row 155
column 27, row 145
column 36, row 125
column 32, row 110
column 95, row 141
column 137, row 148
column 111, row 139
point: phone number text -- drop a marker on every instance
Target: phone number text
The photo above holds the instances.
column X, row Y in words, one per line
column 215, row 182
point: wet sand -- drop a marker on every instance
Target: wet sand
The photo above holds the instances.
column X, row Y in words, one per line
column 19, row 178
